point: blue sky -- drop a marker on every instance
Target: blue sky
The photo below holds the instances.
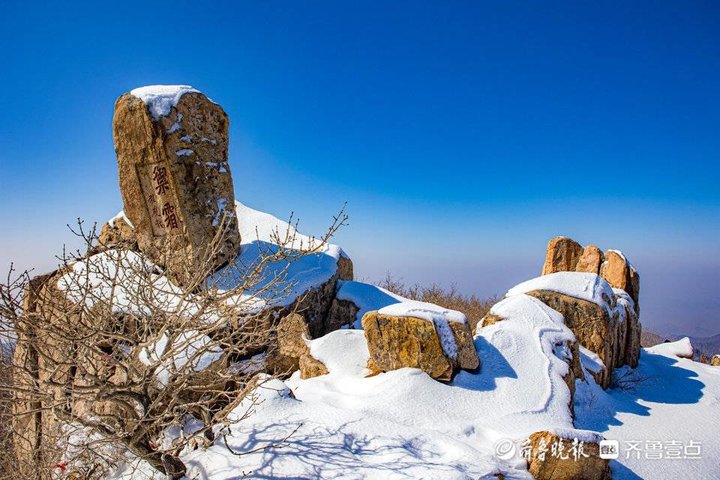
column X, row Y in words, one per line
column 463, row 135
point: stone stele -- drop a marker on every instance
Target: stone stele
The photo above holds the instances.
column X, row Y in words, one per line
column 172, row 149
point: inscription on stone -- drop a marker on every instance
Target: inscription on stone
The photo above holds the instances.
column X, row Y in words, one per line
column 155, row 185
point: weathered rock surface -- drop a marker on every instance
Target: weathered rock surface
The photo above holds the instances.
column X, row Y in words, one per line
column 562, row 255
column 566, row 255
column 593, row 327
column 715, row 361
column 616, row 271
column 117, row 233
column 566, row 463
column 342, row 312
column 398, row 342
column 172, row 149
column 290, row 333
column 311, row 367
column 590, row 260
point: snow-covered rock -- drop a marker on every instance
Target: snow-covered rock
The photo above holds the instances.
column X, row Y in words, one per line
column 602, row 319
column 681, row 348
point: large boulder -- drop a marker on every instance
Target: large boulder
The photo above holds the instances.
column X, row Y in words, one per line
column 615, row 270
column 562, row 255
column 602, row 319
column 438, row 347
column 593, row 327
column 561, row 457
column 566, row 255
column 715, row 361
column 172, row 149
column 591, row 260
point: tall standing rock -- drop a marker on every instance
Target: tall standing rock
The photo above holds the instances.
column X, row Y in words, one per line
column 562, row 255
column 590, row 261
column 172, row 149
column 616, row 271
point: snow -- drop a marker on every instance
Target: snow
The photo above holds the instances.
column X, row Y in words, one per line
column 681, row 348
column 585, row 286
column 366, row 297
column 667, row 401
column 120, row 215
column 426, row 311
column 184, row 351
column 343, row 352
column 262, row 233
column 160, row 99
column 115, row 275
column 404, row 424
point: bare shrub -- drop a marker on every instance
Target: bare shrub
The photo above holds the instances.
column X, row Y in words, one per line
column 628, row 379
column 111, row 361
column 474, row 307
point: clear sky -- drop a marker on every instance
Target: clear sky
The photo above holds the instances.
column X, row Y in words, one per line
column 463, row 135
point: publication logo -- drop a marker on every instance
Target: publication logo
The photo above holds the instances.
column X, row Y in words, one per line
column 609, row 449
column 505, row 449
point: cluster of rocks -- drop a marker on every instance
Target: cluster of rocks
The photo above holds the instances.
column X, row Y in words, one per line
column 612, row 333
column 179, row 211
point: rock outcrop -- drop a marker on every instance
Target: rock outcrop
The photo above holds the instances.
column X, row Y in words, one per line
column 562, row 255
column 566, row 255
column 556, row 457
column 602, row 319
column 118, row 233
column 172, row 149
column 715, row 361
column 591, row 260
column 593, row 327
column 437, row 348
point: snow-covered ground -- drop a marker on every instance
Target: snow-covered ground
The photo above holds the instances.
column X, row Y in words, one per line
column 405, row 425
column 668, row 408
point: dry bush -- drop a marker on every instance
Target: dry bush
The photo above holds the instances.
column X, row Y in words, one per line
column 112, row 362
column 472, row 306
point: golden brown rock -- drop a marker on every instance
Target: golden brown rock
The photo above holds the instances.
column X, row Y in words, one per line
column 117, row 233
column 715, row 361
column 635, row 288
column 562, row 255
column 590, row 260
column 632, row 339
column 311, row 367
column 592, row 325
column 615, row 271
column 398, row 342
column 284, row 356
column 569, row 462
column 490, row 319
column 175, row 182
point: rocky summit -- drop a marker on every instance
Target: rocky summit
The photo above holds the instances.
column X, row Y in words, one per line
column 351, row 379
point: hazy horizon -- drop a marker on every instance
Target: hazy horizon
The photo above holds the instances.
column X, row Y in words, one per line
column 463, row 136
